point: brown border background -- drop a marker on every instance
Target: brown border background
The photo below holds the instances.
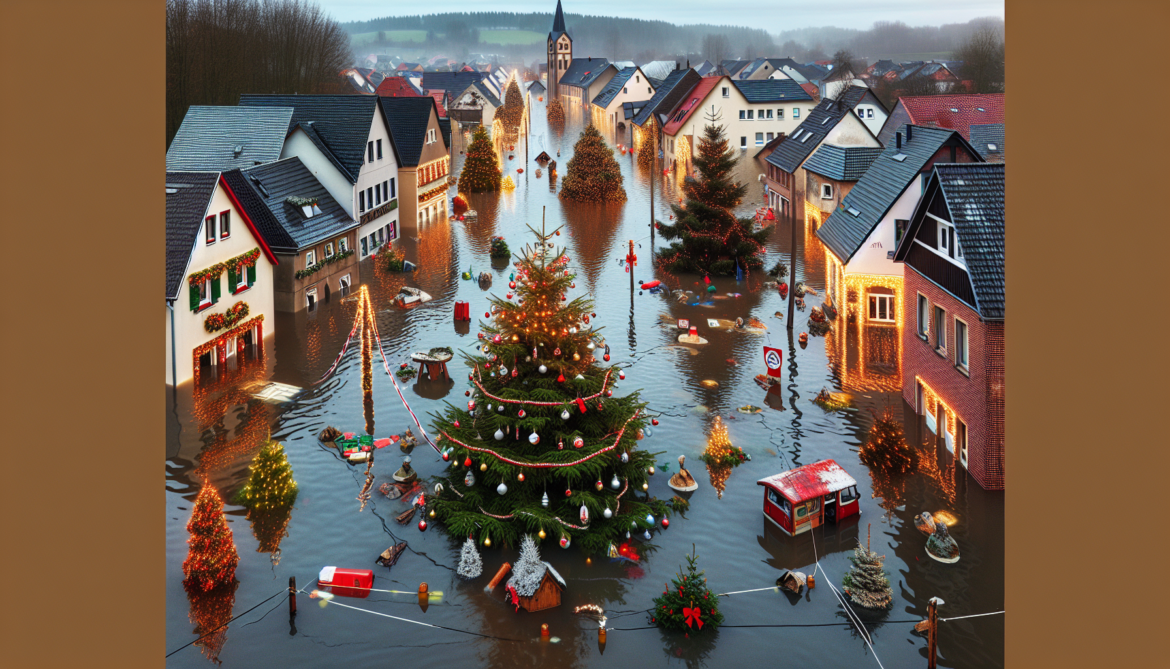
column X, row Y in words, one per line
column 83, row 172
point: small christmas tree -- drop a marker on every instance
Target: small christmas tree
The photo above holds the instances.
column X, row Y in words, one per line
column 212, row 557
column 556, row 114
column 593, row 174
column 688, row 604
column 470, row 564
column 646, row 152
column 499, row 248
column 866, row 582
column 719, row 449
column 481, row 170
column 710, row 238
column 529, row 570
column 271, row 483
column 886, row 448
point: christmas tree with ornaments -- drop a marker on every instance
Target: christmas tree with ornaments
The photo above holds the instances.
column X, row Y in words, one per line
column 545, row 445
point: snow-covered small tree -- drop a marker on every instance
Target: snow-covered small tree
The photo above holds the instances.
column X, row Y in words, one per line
column 528, row 571
column 470, row 564
column 866, row 583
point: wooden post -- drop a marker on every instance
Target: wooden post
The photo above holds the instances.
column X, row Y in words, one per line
column 630, row 264
column 292, row 596
column 653, row 169
column 932, row 632
column 504, row 568
column 792, row 270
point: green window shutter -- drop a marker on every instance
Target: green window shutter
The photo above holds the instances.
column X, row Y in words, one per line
column 215, row 290
column 233, row 281
column 194, row 289
column 251, row 275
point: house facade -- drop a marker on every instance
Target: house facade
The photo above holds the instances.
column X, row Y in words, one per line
column 955, row 112
column 584, row 79
column 219, row 298
column 423, row 156
column 953, row 367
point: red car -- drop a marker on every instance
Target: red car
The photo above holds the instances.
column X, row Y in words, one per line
column 800, row 499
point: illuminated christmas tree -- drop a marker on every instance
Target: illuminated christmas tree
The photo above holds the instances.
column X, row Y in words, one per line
column 709, row 237
column 866, row 582
column 886, row 448
column 481, row 170
column 593, row 174
column 544, row 446
column 271, row 483
column 646, row 152
column 687, row 604
column 556, row 114
column 211, row 557
column 720, row 451
column 513, row 110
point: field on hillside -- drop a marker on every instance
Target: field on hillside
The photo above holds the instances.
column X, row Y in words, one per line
column 391, row 35
column 511, row 37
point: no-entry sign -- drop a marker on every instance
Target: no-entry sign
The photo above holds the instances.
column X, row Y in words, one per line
column 773, row 358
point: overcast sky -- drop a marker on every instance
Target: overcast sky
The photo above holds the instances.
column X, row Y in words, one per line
column 773, row 15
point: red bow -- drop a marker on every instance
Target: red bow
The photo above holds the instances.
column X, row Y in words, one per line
column 581, row 404
column 692, row 615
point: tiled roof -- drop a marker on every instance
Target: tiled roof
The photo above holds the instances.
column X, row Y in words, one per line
column 734, row 66
column 793, row 151
column 186, row 207
column 770, row 146
column 342, row 122
column 955, row 112
column 689, row 102
column 854, row 95
column 632, row 109
column 810, row 72
column 813, row 90
column 488, row 95
column 271, row 185
column 666, row 96
column 208, row 138
column 974, row 194
column 659, row 69
column 253, row 205
column 884, row 182
column 705, row 68
column 440, row 97
column 452, row 82
column 582, row 71
column 984, row 136
column 408, row 119
column 614, row 87
column 396, row 87
column 771, row 90
column 842, row 163
column 535, row 87
column 881, row 67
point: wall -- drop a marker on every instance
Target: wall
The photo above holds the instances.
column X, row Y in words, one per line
column 871, row 259
column 299, row 145
column 290, row 291
column 850, row 131
column 897, row 119
column 879, row 114
column 734, row 128
column 375, row 173
column 976, row 400
column 639, row 91
column 435, row 208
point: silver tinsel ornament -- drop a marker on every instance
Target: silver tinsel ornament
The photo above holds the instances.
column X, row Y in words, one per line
column 607, row 513
column 469, row 480
column 544, row 500
column 615, row 483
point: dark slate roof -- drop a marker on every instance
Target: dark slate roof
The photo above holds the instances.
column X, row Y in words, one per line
column 733, row 66
column 854, row 95
column 342, row 123
column 253, row 204
column 704, row 68
column 811, row 71
column 582, row 71
column 445, row 128
column 558, row 27
column 881, row 67
column 535, row 87
column 632, row 109
column 488, row 94
column 984, row 135
column 883, row 183
column 185, row 210
column 311, row 132
column 408, row 119
column 666, row 96
column 974, row 194
column 208, row 137
column 770, row 146
column 271, row 185
column 842, row 163
column 614, row 87
column 795, row 149
column 750, row 68
column 771, row 90
column 452, row 82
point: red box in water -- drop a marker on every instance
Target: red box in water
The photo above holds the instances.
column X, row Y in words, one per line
column 346, row 582
column 462, row 311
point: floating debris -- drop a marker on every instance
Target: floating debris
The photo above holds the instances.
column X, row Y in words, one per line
column 750, row 409
column 709, row 383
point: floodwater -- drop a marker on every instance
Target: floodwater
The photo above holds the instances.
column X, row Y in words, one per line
column 213, row 432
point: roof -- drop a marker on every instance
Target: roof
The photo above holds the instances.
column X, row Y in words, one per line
column 984, row 136
column 632, row 109
column 445, row 128
column 535, row 87
column 855, row 94
column 659, row 69
column 440, row 97
column 274, row 183
column 842, row 163
column 408, row 119
column 558, row 27
column 771, row 145
column 809, row 481
column 881, row 67
column 734, row 66
column 185, row 210
column 487, row 94
column 452, row 82
column 811, row 89
column 884, row 182
column 254, row 206
column 209, row 137
column 956, row 112
column 341, row 123
column 396, row 87
column 820, row 121
column 666, row 96
column 771, row 90
column 582, row 71
column 689, row 102
column 614, row 87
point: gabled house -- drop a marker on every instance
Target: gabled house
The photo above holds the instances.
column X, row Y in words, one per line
column 584, row 79
column 628, row 85
column 832, row 171
column 536, row 88
column 942, row 76
column 838, row 81
column 441, row 101
column 345, row 142
column 409, row 67
column 988, row 140
column 223, row 138
column 659, row 69
column 953, row 367
column 218, row 278
column 455, row 83
column 653, row 115
column 423, row 158
column 799, row 72
column 311, row 234
column 862, row 281
column 396, row 87
column 866, row 106
column 732, row 67
column 956, row 112
column 476, row 105
column 706, row 68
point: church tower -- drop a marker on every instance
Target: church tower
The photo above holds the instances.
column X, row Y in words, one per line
column 560, row 53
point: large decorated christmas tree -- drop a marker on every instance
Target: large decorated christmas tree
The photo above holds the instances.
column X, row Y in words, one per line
column 556, row 114
column 709, row 237
column 593, row 174
column 481, row 170
column 513, row 110
column 544, row 446
column 211, row 556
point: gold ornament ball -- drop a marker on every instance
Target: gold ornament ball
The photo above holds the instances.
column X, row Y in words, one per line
column 487, row 541
column 588, row 560
column 651, row 471
column 483, row 466
column 432, row 513
column 576, row 356
column 645, row 486
column 541, row 534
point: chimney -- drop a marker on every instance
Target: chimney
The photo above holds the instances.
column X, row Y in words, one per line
column 899, row 135
column 909, row 133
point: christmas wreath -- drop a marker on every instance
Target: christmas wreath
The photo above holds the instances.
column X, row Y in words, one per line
column 500, row 248
column 235, row 313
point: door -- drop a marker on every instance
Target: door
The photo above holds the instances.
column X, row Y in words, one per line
column 942, row 430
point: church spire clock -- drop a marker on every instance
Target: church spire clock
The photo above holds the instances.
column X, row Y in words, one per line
column 560, row 52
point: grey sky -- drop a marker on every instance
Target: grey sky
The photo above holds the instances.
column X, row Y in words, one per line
column 774, row 15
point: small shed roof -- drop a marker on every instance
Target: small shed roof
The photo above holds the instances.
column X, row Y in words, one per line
column 809, row 481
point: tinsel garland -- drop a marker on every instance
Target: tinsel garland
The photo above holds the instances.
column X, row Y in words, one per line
column 546, row 465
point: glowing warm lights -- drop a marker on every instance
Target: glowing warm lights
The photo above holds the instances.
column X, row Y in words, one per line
column 719, row 449
column 270, row 484
column 481, row 169
column 593, row 174
column 212, row 557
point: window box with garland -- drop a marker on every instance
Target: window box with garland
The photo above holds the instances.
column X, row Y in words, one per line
column 204, row 286
column 315, row 267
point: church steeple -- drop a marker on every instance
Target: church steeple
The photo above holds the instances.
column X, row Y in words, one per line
column 560, row 52
column 559, row 20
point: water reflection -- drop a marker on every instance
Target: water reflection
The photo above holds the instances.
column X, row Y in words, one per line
column 210, row 611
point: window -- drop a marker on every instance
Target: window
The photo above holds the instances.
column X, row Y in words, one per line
column 923, row 316
column 625, row 89
column 343, row 244
column 960, row 343
column 759, row 139
column 343, row 284
column 940, row 329
column 780, row 114
column 365, row 249
column 881, row 308
column 766, row 111
column 961, row 431
column 742, row 115
column 386, row 191
column 637, row 79
column 205, row 294
column 649, row 90
column 899, row 229
column 362, row 201
column 393, row 192
column 943, row 238
column 209, row 226
column 849, row 494
column 370, row 197
column 743, row 142
column 241, row 280
column 225, row 224
column 431, row 136
column 310, row 258
column 377, row 194
column 329, row 250
column 771, row 136
column 379, row 144
column 751, row 114
column 780, row 502
column 826, row 191
column 796, row 112
column 868, row 113
column 727, row 92
column 370, row 152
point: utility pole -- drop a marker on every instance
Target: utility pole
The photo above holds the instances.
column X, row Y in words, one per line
column 653, row 169
column 932, row 635
column 630, row 266
column 792, row 269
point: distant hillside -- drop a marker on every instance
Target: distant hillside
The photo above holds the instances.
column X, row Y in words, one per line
column 886, row 39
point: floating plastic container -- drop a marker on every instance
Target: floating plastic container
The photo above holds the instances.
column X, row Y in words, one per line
column 346, row 582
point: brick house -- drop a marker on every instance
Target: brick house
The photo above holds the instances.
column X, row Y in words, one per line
column 953, row 361
column 954, row 112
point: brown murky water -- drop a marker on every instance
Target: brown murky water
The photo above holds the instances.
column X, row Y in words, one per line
column 215, row 430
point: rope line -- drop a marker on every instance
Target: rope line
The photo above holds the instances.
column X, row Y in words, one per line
column 973, row 615
column 282, row 591
column 416, row 622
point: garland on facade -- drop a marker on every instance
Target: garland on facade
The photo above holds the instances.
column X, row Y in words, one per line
column 238, row 331
column 236, row 264
column 235, row 313
column 312, row 269
column 301, row 201
column 432, row 193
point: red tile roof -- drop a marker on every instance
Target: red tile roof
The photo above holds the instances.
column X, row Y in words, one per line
column 439, row 96
column 690, row 102
column 812, row 90
column 954, row 112
column 396, row 87
column 809, row 481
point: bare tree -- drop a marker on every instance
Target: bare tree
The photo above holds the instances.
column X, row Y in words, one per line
column 715, row 47
column 983, row 61
column 612, row 43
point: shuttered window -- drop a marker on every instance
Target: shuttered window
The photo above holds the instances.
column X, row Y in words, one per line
column 251, row 273
column 214, row 290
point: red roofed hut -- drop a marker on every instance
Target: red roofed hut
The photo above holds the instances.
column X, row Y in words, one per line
column 800, row 499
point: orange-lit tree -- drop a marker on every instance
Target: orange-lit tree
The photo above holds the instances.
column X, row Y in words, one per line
column 593, row 174
column 646, row 152
column 556, row 113
column 481, row 170
column 707, row 236
column 210, row 611
column 211, row 557
column 886, row 448
column 543, row 446
column 513, row 109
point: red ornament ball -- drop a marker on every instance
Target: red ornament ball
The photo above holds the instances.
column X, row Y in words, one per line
column 605, row 357
column 422, row 526
column 456, row 423
column 467, row 462
column 568, row 492
column 654, row 421
column 467, row 393
column 486, row 314
column 665, row 522
column 402, row 366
